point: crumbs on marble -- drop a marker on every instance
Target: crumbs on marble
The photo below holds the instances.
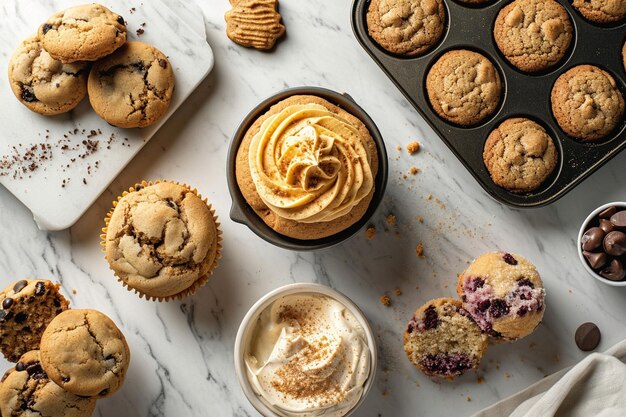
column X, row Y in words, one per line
column 419, row 250
column 480, row 380
column 420, row 219
column 413, row 147
column 414, row 170
column 398, row 292
column 468, row 399
column 370, row 232
column 141, row 30
column 391, row 219
column 74, row 291
column 385, row 300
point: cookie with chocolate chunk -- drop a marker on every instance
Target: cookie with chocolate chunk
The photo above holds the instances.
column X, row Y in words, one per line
column 26, row 391
column 97, row 362
column 26, row 308
column 132, row 87
column 83, row 33
column 43, row 84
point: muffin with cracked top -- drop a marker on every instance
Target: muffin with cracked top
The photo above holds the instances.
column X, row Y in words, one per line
column 504, row 295
column 442, row 340
column 162, row 240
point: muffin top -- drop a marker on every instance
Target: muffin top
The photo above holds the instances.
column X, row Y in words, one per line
column 533, row 34
column 406, row 27
column 601, row 11
column 307, row 167
column 161, row 239
column 587, row 102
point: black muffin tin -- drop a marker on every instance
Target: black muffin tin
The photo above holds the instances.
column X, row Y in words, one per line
column 523, row 94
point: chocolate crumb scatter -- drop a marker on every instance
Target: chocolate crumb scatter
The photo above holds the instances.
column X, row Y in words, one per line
column 385, row 300
column 413, row 147
column 140, row 32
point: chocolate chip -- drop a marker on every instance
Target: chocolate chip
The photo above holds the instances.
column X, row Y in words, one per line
column 20, row 367
column 7, row 303
column 410, row 328
column 19, row 286
column 587, row 336
column 20, row 318
column 65, row 379
column 498, row 308
column 615, row 243
column 162, row 63
column 56, row 302
column 606, row 225
column 34, row 368
column 40, row 288
column 619, row 219
column 607, row 212
column 614, row 272
column 596, row 260
column 431, row 318
column 120, row 20
column 138, row 66
column 509, row 259
column 592, row 239
column 45, row 28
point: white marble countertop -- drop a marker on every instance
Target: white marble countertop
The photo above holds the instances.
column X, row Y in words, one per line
column 182, row 362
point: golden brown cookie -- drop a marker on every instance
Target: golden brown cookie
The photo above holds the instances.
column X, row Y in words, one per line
column 133, row 87
column 587, row 102
column 27, row 307
column 463, row 87
column 162, row 240
column 83, row 33
column 43, row 84
column 624, row 56
column 308, row 184
column 519, row 155
column 533, row 34
column 406, row 27
column 441, row 340
column 26, row 391
column 254, row 23
column 601, row 11
column 85, row 353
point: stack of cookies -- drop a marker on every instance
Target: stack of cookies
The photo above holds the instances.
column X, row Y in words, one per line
column 36, row 328
column 501, row 298
column 129, row 85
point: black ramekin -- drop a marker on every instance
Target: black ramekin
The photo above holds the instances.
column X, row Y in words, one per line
column 242, row 213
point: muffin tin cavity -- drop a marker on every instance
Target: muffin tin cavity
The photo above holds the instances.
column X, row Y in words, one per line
column 470, row 26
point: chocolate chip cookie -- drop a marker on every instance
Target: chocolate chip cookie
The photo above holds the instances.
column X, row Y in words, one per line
column 406, row 27
column 96, row 363
column 519, row 155
column 26, row 309
column 463, row 87
column 587, row 102
column 254, row 23
column 601, row 11
column 442, row 341
column 44, row 84
column 26, row 391
column 162, row 240
column 83, row 33
column 132, row 87
column 533, row 35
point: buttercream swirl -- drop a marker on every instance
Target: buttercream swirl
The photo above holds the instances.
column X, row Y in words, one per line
column 310, row 165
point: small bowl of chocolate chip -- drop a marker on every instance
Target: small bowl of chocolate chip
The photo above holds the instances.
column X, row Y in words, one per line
column 602, row 244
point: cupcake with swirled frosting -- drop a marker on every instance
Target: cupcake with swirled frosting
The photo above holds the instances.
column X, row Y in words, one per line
column 307, row 168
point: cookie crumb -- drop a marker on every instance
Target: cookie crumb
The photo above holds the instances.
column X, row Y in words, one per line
column 140, row 32
column 391, row 219
column 370, row 232
column 385, row 300
column 414, row 170
column 419, row 250
column 413, row 147
column 398, row 148
column 469, row 398
column 398, row 292
column 420, row 219
column 480, row 380
column 74, row 291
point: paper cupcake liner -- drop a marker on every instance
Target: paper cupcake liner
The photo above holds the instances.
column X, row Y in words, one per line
column 201, row 280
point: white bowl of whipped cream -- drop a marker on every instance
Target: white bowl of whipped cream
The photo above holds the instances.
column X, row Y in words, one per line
column 305, row 350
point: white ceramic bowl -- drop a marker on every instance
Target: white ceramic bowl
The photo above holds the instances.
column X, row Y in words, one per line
column 583, row 228
column 248, row 322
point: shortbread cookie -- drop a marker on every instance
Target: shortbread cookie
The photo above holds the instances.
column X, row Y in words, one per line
column 26, row 391
column 406, row 27
column 85, row 353
column 519, row 155
column 533, row 34
column 463, row 87
column 83, row 33
column 26, row 309
column 587, row 102
column 601, row 11
column 254, row 23
column 304, row 189
column 162, row 240
column 43, row 84
column 132, row 87
column 441, row 340
column 504, row 295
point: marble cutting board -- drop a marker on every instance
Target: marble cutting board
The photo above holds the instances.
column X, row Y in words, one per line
column 74, row 166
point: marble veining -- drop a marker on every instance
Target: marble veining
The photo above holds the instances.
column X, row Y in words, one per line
column 182, row 352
